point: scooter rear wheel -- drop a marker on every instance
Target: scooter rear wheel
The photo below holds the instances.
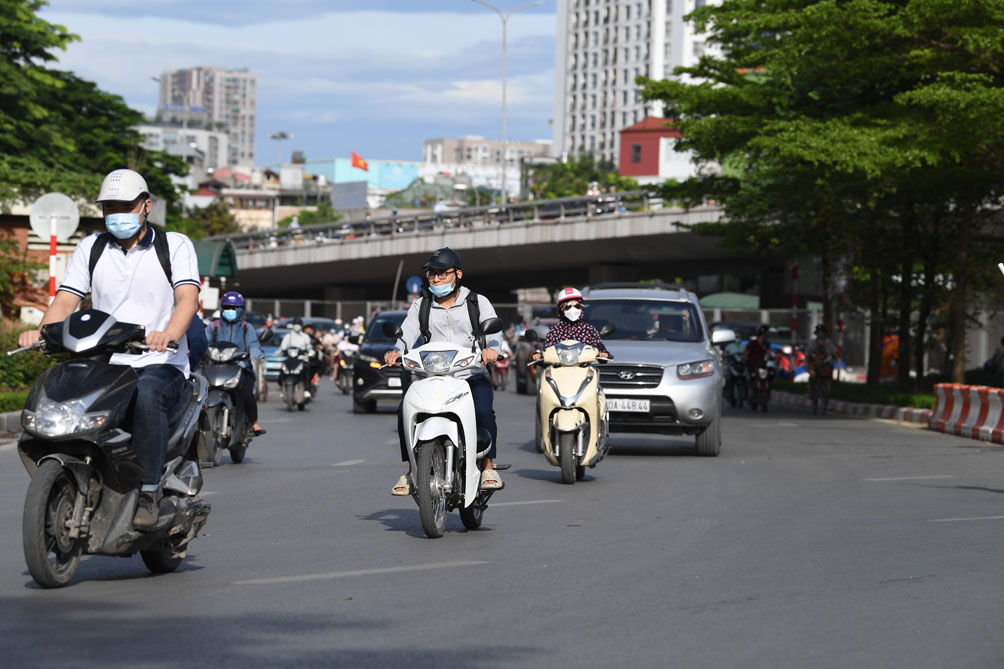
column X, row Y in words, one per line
column 160, row 561
column 52, row 556
column 430, row 479
column 471, row 517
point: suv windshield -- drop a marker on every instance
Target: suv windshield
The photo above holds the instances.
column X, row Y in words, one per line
column 375, row 333
column 646, row 319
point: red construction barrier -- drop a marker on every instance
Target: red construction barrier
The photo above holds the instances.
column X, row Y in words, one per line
column 976, row 412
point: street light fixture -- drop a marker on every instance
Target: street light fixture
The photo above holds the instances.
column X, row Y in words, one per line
column 280, row 135
column 505, row 18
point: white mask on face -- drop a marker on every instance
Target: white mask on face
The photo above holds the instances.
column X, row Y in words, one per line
column 573, row 314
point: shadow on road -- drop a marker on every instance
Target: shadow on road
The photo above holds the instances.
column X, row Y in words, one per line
column 96, row 634
column 105, row 568
column 409, row 521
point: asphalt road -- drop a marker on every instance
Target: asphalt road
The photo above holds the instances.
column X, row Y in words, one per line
column 822, row 542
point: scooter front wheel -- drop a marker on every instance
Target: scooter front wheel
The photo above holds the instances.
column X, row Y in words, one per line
column 430, row 480
column 219, row 443
column 51, row 554
column 566, row 457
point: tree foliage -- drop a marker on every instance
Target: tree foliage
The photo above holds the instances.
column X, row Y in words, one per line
column 573, row 178
column 214, row 219
column 324, row 213
column 59, row 132
column 870, row 132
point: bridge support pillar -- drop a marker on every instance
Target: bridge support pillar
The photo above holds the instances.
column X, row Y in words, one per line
column 603, row 273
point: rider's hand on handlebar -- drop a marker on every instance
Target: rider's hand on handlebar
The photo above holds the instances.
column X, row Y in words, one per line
column 29, row 338
column 158, row 341
column 391, row 357
column 536, row 355
column 489, row 355
column 604, row 354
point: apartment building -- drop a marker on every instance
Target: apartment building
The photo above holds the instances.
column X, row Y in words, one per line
column 602, row 46
column 218, row 99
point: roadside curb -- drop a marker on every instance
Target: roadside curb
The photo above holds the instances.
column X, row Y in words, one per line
column 10, row 421
column 907, row 415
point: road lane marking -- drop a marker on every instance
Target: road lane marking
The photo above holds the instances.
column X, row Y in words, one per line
column 960, row 520
column 532, row 501
column 9, row 447
column 361, row 572
column 348, row 463
column 913, row 478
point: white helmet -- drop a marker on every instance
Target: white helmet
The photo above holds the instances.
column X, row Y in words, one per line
column 566, row 294
column 122, row 186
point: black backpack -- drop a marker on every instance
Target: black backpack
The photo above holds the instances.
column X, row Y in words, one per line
column 473, row 310
column 159, row 245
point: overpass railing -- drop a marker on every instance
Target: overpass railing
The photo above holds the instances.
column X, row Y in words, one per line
column 467, row 218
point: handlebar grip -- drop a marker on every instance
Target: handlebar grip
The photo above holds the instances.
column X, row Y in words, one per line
column 22, row 349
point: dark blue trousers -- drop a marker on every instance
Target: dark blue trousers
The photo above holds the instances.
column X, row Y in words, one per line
column 484, row 413
column 158, row 401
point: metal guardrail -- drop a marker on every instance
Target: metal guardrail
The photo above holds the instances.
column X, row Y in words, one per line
column 453, row 220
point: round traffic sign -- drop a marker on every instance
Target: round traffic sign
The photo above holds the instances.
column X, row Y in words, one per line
column 58, row 206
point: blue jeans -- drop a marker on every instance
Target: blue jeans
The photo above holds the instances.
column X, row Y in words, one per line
column 158, row 403
column 484, row 413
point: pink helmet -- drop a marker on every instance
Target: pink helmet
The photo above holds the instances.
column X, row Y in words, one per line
column 569, row 294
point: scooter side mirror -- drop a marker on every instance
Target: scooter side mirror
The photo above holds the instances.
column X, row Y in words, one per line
column 608, row 329
column 491, row 326
column 265, row 335
column 393, row 330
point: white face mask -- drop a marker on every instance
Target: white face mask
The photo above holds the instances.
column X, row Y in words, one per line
column 573, row 314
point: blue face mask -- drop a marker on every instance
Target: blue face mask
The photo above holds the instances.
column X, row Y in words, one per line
column 123, row 226
column 441, row 291
column 230, row 315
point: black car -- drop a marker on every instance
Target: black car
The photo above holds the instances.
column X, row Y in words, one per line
column 369, row 382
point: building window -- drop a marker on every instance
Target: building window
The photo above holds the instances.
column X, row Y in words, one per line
column 636, row 153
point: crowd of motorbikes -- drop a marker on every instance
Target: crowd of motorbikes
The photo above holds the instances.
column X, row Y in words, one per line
column 746, row 386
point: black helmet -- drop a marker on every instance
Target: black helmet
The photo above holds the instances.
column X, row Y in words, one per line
column 763, row 329
column 444, row 258
column 296, row 321
column 820, row 330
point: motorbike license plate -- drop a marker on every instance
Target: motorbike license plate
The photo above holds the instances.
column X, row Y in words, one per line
column 394, row 382
column 629, row 405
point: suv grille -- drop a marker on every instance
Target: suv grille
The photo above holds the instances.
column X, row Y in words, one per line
column 623, row 377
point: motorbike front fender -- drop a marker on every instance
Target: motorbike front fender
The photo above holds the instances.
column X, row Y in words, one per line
column 219, row 397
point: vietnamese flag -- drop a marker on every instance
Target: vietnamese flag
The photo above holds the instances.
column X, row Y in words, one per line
column 357, row 161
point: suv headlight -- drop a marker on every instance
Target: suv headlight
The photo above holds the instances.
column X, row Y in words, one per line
column 695, row 370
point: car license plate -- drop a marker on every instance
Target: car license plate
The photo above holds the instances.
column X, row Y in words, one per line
column 629, row 405
column 394, row 382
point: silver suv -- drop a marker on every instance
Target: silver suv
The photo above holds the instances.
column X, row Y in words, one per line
column 666, row 376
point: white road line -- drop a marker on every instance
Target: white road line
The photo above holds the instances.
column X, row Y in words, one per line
column 912, row 478
column 348, row 463
column 960, row 520
column 206, row 493
column 532, row 501
column 9, row 447
column 361, row 572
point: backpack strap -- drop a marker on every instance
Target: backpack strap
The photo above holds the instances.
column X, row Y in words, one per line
column 160, row 245
column 216, row 329
column 474, row 311
column 424, row 307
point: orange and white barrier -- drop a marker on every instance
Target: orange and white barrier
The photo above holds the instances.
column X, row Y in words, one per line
column 976, row 412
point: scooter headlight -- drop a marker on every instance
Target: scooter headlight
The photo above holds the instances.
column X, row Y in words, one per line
column 569, row 355
column 60, row 419
column 232, row 381
column 437, row 362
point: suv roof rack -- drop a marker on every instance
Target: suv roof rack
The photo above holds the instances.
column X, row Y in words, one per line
column 650, row 285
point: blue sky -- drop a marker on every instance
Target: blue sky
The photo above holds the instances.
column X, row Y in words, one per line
column 377, row 77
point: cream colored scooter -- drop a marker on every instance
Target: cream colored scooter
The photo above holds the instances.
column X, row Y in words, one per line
column 571, row 407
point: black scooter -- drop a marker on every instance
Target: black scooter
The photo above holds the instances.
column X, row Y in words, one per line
column 85, row 475
column 736, row 385
column 223, row 425
column 295, row 378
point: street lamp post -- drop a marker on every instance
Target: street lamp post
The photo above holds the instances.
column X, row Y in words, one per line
column 505, row 19
column 280, row 135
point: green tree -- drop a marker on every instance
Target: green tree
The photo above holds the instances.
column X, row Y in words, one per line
column 15, row 269
column 324, row 213
column 59, row 132
column 573, row 178
column 833, row 112
column 214, row 219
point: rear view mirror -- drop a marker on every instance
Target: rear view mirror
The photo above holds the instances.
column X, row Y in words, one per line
column 722, row 337
column 391, row 330
column 491, row 326
column 265, row 335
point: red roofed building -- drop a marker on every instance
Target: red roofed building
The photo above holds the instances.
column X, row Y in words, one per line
column 647, row 154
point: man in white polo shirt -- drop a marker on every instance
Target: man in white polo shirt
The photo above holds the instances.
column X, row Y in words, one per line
column 131, row 283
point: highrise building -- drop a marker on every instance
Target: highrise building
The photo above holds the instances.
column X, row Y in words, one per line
column 601, row 47
column 217, row 98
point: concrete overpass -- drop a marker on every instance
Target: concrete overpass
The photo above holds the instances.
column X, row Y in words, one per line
column 573, row 241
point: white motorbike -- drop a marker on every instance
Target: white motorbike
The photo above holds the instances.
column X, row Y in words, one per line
column 441, row 435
